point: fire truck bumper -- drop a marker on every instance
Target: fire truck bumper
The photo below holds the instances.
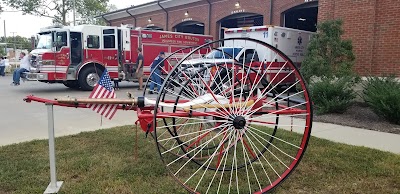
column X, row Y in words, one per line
column 35, row 76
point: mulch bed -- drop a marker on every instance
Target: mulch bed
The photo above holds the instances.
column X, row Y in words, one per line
column 361, row 116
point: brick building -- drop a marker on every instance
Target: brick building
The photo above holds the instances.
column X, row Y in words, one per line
column 372, row 25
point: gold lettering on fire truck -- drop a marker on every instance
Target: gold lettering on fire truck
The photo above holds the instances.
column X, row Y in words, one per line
column 192, row 38
column 179, row 39
column 62, row 62
column 166, row 36
column 61, row 57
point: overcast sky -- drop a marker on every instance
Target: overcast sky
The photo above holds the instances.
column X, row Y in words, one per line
column 28, row 25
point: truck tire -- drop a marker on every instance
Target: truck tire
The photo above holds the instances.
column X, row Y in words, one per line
column 88, row 77
column 71, row 84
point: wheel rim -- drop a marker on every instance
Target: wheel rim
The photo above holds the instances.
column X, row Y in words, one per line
column 92, row 79
column 247, row 157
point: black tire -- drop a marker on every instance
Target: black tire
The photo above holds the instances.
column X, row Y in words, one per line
column 85, row 82
column 71, row 84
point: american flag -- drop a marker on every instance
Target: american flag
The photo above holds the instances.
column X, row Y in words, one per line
column 104, row 89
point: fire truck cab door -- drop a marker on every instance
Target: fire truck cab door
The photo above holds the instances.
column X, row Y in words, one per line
column 110, row 48
column 61, row 54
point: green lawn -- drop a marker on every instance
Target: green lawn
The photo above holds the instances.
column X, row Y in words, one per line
column 103, row 162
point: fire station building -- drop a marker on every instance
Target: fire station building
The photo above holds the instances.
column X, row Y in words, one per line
column 372, row 25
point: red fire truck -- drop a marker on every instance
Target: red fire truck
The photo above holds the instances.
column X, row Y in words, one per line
column 77, row 55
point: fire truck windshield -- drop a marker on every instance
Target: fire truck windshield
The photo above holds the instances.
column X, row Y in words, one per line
column 44, row 41
column 223, row 53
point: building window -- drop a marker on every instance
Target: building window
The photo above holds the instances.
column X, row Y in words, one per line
column 93, row 41
column 109, row 41
column 108, row 31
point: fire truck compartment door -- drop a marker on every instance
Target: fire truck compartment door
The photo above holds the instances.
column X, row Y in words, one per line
column 110, row 50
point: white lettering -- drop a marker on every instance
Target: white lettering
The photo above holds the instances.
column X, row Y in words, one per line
column 245, row 35
column 187, row 19
column 237, row 11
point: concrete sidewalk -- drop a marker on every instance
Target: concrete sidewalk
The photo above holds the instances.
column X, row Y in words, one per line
column 355, row 136
column 348, row 135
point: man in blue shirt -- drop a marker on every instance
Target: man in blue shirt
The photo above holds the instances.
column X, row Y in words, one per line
column 157, row 65
column 25, row 66
column 2, row 66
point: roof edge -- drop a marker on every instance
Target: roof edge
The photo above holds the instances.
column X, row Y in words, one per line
column 127, row 9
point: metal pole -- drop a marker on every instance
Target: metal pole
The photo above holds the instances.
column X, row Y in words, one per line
column 54, row 186
column 15, row 50
column 74, row 12
column 5, row 37
column 52, row 156
column 136, row 143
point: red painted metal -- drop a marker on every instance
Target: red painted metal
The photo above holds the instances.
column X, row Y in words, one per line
column 146, row 123
column 32, row 98
column 248, row 148
column 153, row 42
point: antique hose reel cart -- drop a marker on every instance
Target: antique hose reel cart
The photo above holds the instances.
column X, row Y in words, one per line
column 224, row 124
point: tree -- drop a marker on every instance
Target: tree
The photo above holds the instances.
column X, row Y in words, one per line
column 19, row 41
column 58, row 10
column 92, row 20
column 328, row 68
column 2, row 52
column 328, row 55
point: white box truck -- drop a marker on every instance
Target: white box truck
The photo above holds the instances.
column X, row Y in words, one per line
column 291, row 42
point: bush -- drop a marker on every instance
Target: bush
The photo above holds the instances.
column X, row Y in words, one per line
column 328, row 68
column 328, row 55
column 383, row 96
column 332, row 95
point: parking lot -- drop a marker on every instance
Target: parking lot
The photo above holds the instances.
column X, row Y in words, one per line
column 21, row 121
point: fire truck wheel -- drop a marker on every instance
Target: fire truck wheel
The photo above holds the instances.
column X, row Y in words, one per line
column 88, row 77
column 71, row 84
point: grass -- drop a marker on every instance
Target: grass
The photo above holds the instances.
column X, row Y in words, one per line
column 103, row 162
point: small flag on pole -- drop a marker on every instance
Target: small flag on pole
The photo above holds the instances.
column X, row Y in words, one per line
column 104, row 89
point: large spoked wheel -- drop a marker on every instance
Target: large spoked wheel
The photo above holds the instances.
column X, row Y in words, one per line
column 170, row 62
column 242, row 135
column 179, row 127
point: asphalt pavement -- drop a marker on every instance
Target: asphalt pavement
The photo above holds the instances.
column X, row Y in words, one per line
column 21, row 121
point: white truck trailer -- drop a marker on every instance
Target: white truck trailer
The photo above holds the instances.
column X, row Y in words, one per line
column 291, row 42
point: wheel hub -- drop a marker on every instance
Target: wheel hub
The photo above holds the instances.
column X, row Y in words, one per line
column 239, row 122
column 92, row 79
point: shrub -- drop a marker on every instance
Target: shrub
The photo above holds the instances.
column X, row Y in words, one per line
column 328, row 68
column 383, row 96
column 328, row 55
column 332, row 95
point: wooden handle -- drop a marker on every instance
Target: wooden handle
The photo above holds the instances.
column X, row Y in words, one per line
column 96, row 101
column 219, row 106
